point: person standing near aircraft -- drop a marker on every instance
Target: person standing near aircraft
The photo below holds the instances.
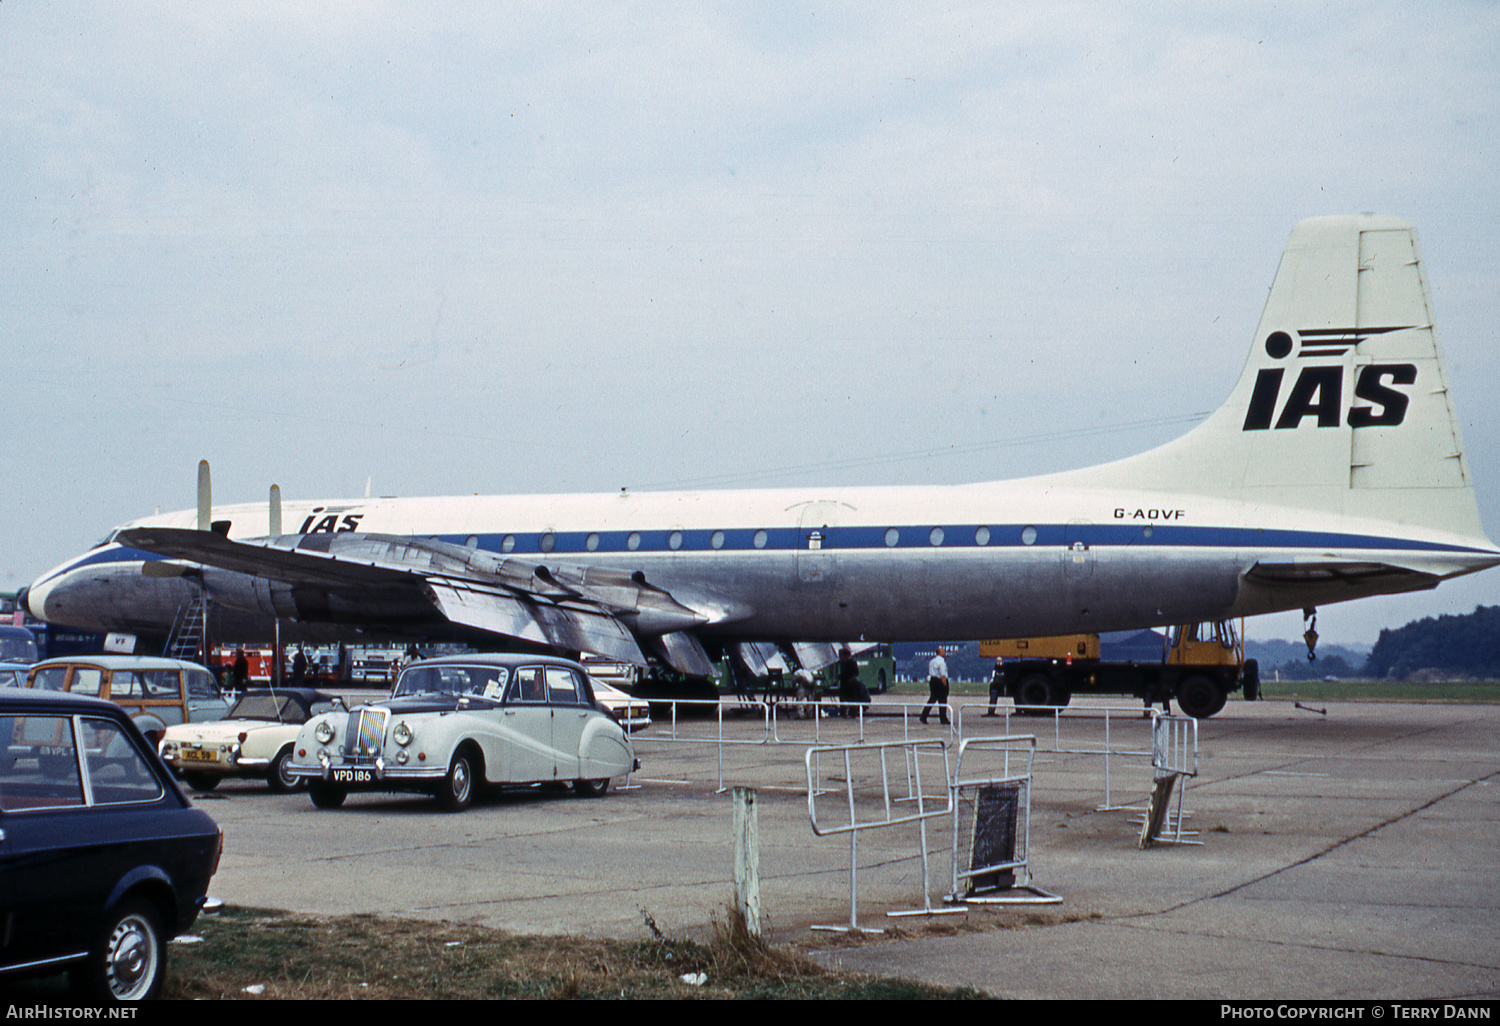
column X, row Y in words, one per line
column 937, row 686
column 241, row 670
column 851, row 691
column 807, row 693
column 997, row 684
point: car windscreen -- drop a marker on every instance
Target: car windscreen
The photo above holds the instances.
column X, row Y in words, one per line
column 453, row 680
column 283, row 708
column 17, row 650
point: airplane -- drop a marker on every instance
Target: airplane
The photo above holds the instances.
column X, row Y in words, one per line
column 1334, row 471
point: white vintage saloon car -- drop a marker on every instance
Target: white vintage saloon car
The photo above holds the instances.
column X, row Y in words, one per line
column 456, row 723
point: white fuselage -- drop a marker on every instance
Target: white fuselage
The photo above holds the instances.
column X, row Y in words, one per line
column 908, row 563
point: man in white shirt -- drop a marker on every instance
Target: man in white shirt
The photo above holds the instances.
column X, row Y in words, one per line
column 937, row 687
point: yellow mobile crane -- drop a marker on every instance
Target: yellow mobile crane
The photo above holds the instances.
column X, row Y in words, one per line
column 1201, row 664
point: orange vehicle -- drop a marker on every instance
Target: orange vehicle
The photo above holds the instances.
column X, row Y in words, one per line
column 1201, row 665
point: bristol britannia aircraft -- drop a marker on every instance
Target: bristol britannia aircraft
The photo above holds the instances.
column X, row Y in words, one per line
column 1334, row 471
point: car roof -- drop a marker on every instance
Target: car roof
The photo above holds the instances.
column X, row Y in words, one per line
column 14, row 700
column 509, row 659
column 121, row 662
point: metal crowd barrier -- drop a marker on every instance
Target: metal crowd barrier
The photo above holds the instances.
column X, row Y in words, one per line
column 891, row 809
column 1174, row 756
column 992, row 821
column 782, row 725
column 1115, row 717
column 717, row 739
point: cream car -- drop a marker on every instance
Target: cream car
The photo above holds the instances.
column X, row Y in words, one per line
column 254, row 740
column 630, row 712
column 458, row 723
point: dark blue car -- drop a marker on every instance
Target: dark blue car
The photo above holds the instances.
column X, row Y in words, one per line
column 102, row 857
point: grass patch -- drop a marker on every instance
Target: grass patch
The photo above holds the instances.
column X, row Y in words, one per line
column 298, row 956
column 1482, row 692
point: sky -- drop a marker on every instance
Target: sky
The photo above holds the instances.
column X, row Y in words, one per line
column 534, row 247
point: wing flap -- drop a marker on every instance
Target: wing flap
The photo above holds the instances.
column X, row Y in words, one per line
column 573, row 629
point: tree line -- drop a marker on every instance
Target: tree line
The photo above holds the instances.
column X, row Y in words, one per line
column 1435, row 648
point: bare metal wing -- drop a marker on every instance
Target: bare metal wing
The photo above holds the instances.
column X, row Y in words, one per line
column 591, row 609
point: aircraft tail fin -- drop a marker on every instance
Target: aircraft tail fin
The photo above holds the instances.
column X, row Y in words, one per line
column 1343, row 405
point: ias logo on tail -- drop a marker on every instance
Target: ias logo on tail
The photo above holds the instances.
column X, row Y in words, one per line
column 1318, row 391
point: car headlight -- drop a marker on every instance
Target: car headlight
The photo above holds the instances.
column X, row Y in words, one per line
column 323, row 732
column 402, row 734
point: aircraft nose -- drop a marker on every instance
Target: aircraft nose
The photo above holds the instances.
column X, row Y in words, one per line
column 34, row 597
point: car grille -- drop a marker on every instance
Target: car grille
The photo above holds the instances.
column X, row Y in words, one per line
column 365, row 737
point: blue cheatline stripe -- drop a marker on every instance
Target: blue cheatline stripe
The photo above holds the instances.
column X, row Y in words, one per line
column 908, row 537
column 960, row 536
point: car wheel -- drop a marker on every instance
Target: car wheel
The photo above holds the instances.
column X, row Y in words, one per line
column 202, row 781
column 1199, row 697
column 590, row 788
column 326, row 796
column 457, row 789
column 129, row 960
column 280, row 778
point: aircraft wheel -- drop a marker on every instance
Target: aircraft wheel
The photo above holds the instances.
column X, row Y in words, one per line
column 1200, row 697
column 1035, row 690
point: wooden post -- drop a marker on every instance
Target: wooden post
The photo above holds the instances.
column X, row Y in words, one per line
column 747, row 859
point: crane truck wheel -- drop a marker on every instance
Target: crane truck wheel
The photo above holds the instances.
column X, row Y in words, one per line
column 1034, row 691
column 1200, row 697
column 1250, row 674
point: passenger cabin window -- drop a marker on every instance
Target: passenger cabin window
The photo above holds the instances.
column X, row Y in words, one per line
column 161, row 683
column 123, row 684
column 41, row 771
column 562, row 686
column 200, row 684
column 86, row 680
column 51, row 678
column 118, row 773
column 529, row 686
